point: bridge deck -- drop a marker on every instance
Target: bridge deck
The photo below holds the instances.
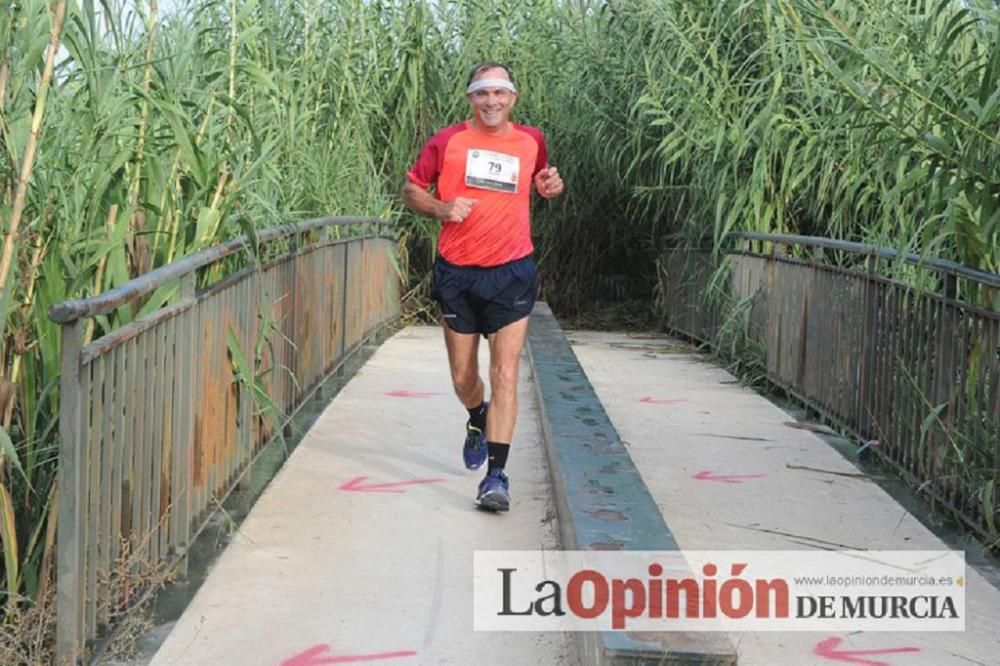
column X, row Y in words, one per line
column 373, row 572
column 683, row 417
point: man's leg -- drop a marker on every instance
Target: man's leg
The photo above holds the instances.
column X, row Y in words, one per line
column 463, row 360
column 505, row 356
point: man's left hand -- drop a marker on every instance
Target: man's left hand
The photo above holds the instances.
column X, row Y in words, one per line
column 548, row 183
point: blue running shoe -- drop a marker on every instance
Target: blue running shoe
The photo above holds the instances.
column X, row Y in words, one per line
column 494, row 491
column 475, row 450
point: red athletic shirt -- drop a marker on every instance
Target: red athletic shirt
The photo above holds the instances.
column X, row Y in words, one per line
column 495, row 170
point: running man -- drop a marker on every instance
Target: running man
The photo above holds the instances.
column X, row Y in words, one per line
column 482, row 172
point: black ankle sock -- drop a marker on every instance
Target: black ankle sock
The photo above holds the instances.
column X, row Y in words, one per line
column 498, row 455
column 477, row 415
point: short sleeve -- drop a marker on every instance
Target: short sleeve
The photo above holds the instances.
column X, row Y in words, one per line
column 430, row 161
column 543, row 153
column 425, row 170
column 542, row 156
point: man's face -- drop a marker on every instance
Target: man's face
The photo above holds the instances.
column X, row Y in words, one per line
column 491, row 106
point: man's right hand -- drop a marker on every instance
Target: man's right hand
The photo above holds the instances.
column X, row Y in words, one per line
column 457, row 209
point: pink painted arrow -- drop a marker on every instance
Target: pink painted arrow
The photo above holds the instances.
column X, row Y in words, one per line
column 650, row 400
column 357, row 485
column 707, row 475
column 828, row 650
column 402, row 393
column 314, row 657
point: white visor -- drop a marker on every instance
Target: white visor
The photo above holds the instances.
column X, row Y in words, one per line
column 479, row 84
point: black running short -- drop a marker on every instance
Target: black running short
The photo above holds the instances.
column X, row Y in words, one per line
column 476, row 299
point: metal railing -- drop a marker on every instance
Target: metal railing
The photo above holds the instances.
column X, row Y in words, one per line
column 912, row 369
column 160, row 417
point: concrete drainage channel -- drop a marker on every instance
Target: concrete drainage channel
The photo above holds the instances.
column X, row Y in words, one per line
column 601, row 500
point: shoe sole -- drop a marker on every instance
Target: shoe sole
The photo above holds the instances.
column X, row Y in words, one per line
column 494, row 502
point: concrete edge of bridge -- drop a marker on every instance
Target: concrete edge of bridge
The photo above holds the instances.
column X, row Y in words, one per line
column 602, row 502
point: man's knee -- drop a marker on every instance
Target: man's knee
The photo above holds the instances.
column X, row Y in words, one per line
column 464, row 379
column 503, row 374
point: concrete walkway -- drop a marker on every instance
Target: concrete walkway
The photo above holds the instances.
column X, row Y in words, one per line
column 336, row 564
column 370, row 572
column 682, row 416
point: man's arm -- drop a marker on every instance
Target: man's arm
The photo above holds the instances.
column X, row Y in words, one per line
column 422, row 202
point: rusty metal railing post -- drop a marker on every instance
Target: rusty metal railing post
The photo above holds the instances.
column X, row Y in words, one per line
column 343, row 308
column 293, row 317
column 944, row 385
column 69, row 560
column 182, row 474
column 366, row 300
column 865, row 367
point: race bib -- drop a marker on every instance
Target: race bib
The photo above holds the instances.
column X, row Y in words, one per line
column 492, row 171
